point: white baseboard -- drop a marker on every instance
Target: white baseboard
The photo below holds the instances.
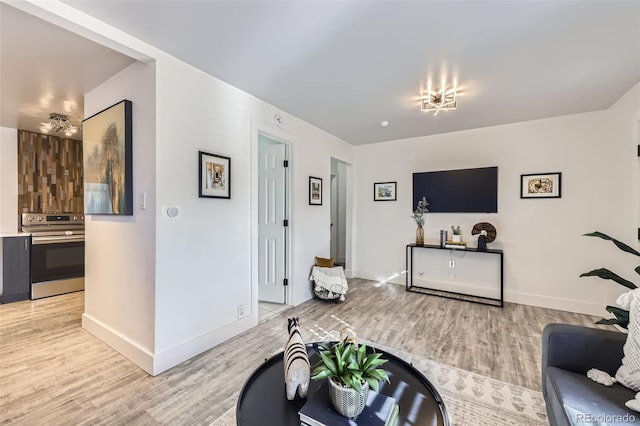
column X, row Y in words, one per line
column 458, row 287
column 155, row 364
column 173, row 356
column 139, row 355
column 561, row 304
column 398, row 278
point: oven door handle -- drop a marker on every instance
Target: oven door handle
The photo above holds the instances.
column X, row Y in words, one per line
column 38, row 241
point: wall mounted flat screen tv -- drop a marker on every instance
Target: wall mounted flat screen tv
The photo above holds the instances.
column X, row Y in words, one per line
column 458, row 191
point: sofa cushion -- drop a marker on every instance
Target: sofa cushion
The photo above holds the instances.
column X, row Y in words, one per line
column 584, row 401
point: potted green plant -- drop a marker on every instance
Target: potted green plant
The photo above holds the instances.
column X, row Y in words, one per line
column 621, row 315
column 418, row 216
column 351, row 371
column 457, row 234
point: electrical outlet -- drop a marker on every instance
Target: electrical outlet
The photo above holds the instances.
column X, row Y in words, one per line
column 241, row 311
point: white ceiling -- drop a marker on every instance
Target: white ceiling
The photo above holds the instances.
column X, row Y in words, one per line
column 45, row 69
column 346, row 65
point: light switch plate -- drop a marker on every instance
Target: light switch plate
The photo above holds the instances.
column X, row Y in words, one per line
column 142, row 200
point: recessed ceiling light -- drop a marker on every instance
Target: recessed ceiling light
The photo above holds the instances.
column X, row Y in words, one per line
column 384, row 123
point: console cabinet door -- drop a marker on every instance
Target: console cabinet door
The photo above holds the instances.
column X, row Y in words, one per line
column 16, row 268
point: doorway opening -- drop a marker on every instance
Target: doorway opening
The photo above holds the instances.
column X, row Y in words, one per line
column 273, row 227
column 339, row 208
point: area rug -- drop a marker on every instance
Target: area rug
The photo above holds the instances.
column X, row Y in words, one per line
column 471, row 399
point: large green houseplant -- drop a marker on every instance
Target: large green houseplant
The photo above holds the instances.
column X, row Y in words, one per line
column 351, row 371
column 621, row 315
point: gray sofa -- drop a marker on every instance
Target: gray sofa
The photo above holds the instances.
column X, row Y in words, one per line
column 568, row 352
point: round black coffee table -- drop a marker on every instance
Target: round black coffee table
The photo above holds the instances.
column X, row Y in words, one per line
column 263, row 401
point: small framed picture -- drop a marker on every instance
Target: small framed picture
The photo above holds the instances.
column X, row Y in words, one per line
column 384, row 191
column 215, row 176
column 540, row 185
column 315, row 191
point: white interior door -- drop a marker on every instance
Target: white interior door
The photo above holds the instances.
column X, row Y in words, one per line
column 271, row 216
column 334, row 217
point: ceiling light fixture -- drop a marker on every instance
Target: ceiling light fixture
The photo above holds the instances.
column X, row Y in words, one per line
column 438, row 101
column 58, row 123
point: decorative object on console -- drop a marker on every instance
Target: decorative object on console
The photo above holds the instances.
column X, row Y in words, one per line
column 58, row 123
column 621, row 313
column 315, row 191
column 384, row 191
column 540, row 185
column 107, row 160
column 457, row 234
column 461, row 245
column 214, row 175
column 418, row 216
column 487, row 234
column 351, row 371
column 443, row 237
column 297, row 369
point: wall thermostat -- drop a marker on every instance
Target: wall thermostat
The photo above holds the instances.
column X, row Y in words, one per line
column 173, row 211
column 170, row 211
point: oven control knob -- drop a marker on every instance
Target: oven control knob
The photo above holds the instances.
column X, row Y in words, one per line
column 39, row 219
column 29, row 219
column 75, row 218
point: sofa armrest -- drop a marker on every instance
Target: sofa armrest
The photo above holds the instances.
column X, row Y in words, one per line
column 578, row 349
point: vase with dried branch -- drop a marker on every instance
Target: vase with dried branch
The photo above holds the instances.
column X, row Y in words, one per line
column 418, row 216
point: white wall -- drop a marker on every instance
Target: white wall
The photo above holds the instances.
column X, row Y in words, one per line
column 541, row 239
column 622, row 216
column 201, row 265
column 120, row 250
column 8, row 185
column 205, row 264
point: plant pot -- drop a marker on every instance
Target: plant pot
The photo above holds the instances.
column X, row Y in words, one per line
column 420, row 235
column 456, row 238
column 347, row 401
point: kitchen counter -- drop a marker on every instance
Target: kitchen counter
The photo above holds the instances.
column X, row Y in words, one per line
column 14, row 234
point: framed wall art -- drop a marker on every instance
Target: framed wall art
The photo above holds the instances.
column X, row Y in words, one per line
column 541, row 185
column 315, row 191
column 214, row 176
column 107, row 161
column 384, row 191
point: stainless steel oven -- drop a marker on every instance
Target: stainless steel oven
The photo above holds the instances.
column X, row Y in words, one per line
column 57, row 253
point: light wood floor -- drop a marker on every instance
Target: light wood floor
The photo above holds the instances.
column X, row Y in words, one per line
column 53, row 372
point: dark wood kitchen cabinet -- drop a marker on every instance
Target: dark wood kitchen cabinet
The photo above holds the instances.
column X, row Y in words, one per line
column 16, row 268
